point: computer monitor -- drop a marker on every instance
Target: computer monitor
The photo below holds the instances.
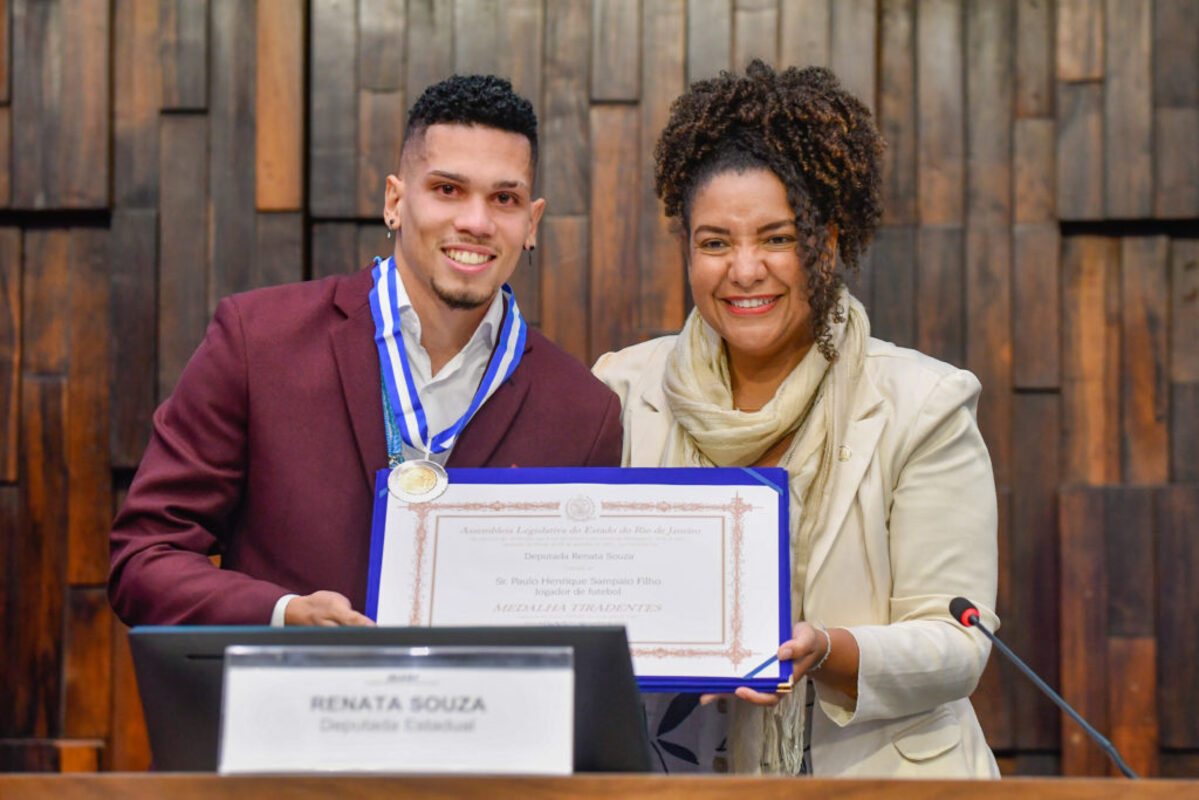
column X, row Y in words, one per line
column 180, row 672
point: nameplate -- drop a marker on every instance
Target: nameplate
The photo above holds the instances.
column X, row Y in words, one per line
column 506, row 710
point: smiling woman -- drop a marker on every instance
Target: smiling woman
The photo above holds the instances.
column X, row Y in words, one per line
column 773, row 179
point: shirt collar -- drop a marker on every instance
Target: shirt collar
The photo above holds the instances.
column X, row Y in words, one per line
column 486, row 333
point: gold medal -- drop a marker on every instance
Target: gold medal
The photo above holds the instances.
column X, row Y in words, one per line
column 417, row 481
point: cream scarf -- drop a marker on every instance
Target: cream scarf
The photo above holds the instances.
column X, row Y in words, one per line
column 813, row 402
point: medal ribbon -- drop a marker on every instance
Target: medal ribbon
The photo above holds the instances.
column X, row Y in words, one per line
column 402, row 405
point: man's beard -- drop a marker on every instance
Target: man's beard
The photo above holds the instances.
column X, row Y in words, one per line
column 462, row 300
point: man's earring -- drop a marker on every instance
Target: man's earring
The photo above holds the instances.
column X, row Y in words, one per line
column 529, row 252
column 389, row 229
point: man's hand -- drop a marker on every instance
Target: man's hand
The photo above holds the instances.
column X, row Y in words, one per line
column 328, row 609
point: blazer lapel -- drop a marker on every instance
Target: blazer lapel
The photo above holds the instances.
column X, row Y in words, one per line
column 353, row 341
column 490, row 424
column 853, row 455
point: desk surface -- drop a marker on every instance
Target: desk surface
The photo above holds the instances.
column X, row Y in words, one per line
column 628, row 787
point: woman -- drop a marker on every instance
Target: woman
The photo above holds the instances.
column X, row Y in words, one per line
column 773, row 179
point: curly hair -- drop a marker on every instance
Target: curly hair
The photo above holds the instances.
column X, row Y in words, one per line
column 485, row 100
column 818, row 139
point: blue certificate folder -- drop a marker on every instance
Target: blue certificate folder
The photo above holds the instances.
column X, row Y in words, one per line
column 762, row 672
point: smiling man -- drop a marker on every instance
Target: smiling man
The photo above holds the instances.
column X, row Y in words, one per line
column 267, row 450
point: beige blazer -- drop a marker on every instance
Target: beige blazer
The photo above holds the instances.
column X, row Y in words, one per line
column 912, row 524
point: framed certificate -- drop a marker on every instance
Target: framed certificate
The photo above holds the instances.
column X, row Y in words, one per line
column 694, row 562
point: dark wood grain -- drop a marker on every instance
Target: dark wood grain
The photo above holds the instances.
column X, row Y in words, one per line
column 183, row 245
column 87, row 667
column 615, row 51
column 1034, row 167
column 1034, row 58
column 334, row 249
column 429, row 48
column 279, row 251
column 1133, row 701
column 1129, row 527
column 1089, row 368
column 46, row 293
column 1083, row 626
column 89, row 473
column 1184, row 432
column 1029, row 624
column 10, row 353
column 615, row 133
column 1036, row 306
column 1184, row 310
column 381, row 117
column 136, row 100
column 1128, row 111
column 1145, row 392
column 940, row 110
column 333, row 110
column 940, row 293
column 39, row 556
column 129, row 746
column 989, row 81
column 893, row 261
column 853, row 46
column 755, row 32
column 5, row 156
column 133, row 320
column 1079, row 40
column 1175, row 54
column 1178, row 637
column 231, row 148
column 10, row 669
column 521, row 47
column 1176, row 163
column 897, row 110
column 372, row 241
column 993, row 699
column 4, row 51
column 477, row 36
column 1080, row 168
column 989, row 338
column 279, row 106
column 564, row 300
column 563, row 171
column 710, row 41
column 382, row 34
column 184, row 52
column 662, row 302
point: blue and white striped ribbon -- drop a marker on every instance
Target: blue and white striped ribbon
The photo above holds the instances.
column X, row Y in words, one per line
column 405, row 404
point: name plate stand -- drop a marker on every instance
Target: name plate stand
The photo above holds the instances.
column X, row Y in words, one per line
column 289, row 709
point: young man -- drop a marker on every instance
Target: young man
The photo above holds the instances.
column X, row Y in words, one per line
column 267, row 450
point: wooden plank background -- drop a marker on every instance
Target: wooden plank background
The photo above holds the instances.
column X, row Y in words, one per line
column 1041, row 228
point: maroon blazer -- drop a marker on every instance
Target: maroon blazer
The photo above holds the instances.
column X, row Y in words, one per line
column 267, row 451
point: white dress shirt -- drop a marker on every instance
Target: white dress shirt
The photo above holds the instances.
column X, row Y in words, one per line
column 445, row 396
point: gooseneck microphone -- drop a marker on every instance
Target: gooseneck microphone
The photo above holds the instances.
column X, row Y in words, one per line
column 966, row 613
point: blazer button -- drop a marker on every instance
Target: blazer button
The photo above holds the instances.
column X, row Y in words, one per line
column 844, row 453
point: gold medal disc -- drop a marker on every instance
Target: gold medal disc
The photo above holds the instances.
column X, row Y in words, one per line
column 418, row 481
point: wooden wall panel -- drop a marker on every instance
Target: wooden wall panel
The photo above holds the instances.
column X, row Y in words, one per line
column 89, row 472
column 133, row 320
column 334, row 248
column 429, row 46
column 46, row 290
column 897, row 110
column 988, row 337
column 184, row 51
column 1034, row 58
column 1080, row 167
column 183, row 245
column 940, row 293
column 1178, row 644
column 136, row 101
column 563, row 169
column 382, row 31
column 279, row 106
column 1128, row 110
column 10, row 352
column 1089, row 367
column 615, row 131
column 710, row 47
column 279, row 250
column 5, row 156
column 852, row 47
column 615, row 47
column 755, row 32
column 1175, row 53
column 662, row 276
column 88, row 664
column 989, row 81
column 940, row 112
column 1176, row 161
column 564, row 287
column 4, row 51
column 1036, row 306
column 333, row 109
column 1034, row 167
column 1079, row 40
column 1144, row 272
column 893, row 261
column 804, row 28
column 231, row 141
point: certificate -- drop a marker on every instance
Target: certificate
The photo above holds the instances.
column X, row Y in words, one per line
column 694, row 562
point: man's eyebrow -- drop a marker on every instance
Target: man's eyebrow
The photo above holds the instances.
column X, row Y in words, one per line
column 449, row 176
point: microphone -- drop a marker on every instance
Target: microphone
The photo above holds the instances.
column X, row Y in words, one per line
column 967, row 614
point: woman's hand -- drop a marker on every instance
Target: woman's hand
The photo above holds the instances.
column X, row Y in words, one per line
column 806, row 647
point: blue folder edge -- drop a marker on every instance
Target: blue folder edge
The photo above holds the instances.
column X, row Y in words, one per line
column 766, row 678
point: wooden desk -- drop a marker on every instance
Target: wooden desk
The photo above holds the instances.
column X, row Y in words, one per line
column 627, row 787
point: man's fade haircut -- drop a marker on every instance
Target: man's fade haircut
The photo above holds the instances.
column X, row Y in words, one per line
column 485, row 100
